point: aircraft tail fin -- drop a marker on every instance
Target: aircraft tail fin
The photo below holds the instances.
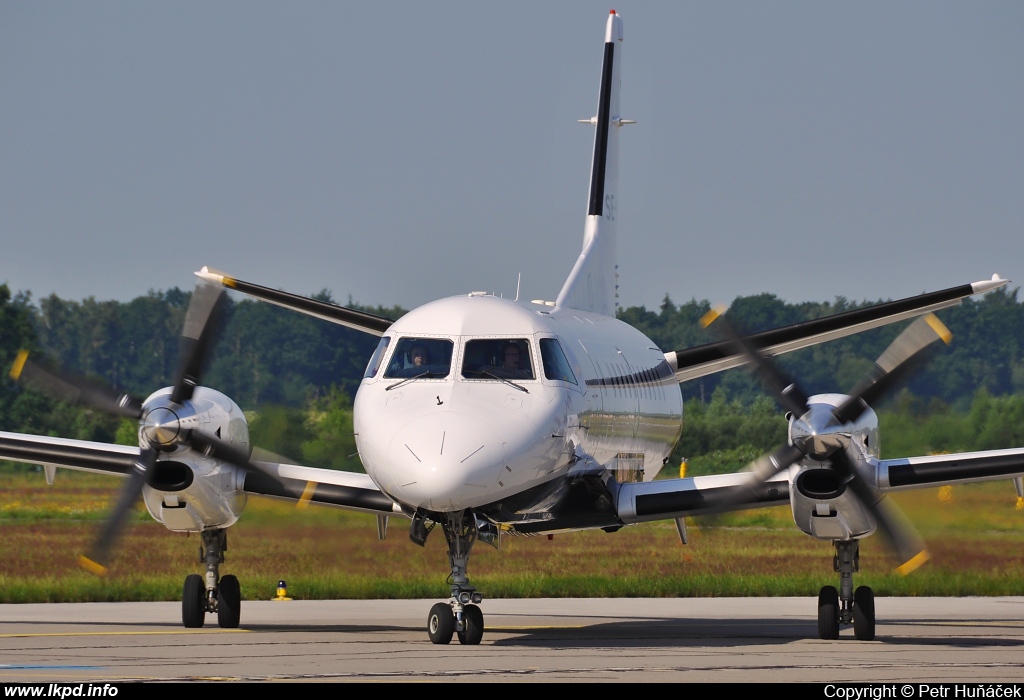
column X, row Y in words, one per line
column 592, row 284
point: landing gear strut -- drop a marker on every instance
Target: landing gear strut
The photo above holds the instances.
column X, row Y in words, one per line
column 214, row 594
column 461, row 615
column 846, row 605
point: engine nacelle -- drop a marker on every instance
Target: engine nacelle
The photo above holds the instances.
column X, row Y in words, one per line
column 195, row 494
column 191, row 492
column 824, row 507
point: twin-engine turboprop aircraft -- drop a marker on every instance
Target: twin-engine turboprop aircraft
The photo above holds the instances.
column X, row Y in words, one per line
column 491, row 418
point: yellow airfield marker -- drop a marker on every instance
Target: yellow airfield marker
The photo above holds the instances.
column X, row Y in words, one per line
column 282, row 592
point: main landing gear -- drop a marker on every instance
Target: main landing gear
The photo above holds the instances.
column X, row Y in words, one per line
column 216, row 594
column 846, row 605
column 461, row 615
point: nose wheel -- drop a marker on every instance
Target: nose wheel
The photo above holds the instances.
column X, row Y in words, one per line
column 846, row 606
column 473, row 625
column 440, row 623
column 444, row 622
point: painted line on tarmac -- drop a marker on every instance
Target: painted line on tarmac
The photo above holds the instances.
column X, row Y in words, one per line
column 960, row 623
column 38, row 667
column 11, row 635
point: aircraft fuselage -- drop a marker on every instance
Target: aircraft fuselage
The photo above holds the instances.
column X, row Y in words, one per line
column 463, row 431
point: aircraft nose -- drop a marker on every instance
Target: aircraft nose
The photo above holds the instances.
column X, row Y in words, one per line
column 445, row 461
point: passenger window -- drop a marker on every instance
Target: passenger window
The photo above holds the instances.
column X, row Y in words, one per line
column 376, row 358
column 420, row 357
column 497, row 359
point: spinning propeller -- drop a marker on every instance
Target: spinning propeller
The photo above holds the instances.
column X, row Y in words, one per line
column 161, row 429
column 818, row 431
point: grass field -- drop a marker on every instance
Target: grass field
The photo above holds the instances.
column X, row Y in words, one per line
column 974, row 533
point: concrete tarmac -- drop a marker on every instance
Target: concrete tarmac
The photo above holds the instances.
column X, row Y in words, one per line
column 919, row 640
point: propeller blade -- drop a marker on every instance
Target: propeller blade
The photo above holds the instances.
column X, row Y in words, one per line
column 784, row 389
column 99, row 557
column 894, row 526
column 893, row 364
column 759, row 471
column 212, row 447
column 764, row 468
column 73, row 390
column 200, row 326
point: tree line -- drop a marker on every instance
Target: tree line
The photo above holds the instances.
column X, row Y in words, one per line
column 269, row 359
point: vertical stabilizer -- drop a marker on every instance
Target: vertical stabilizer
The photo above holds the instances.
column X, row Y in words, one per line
column 592, row 283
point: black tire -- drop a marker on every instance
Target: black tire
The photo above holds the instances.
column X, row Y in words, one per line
column 864, row 614
column 193, row 601
column 828, row 613
column 441, row 623
column 229, row 601
column 474, row 622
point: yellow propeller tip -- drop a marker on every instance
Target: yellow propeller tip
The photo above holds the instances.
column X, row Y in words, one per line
column 307, row 495
column 229, row 282
column 19, row 364
column 709, row 318
column 91, row 566
column 939, row 327
column 913, row 563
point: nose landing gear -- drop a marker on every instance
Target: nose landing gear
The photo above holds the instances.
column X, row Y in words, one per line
column 846, row 605
column 215, row 594
column 461, row 615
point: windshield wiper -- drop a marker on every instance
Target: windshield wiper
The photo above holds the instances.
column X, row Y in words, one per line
column 492, row 375
column 421, row 375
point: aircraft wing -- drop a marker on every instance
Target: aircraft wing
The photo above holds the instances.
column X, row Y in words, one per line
column 351, row 318
column 940, row 470
column 348, row 490
column 716, row 357
column 699, row 495
column 295, row 483
column 704, row 495
column 82, row 455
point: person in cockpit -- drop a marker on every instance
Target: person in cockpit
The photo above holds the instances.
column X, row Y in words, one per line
column 419, row 356
column 512, row 365
column 511, row 357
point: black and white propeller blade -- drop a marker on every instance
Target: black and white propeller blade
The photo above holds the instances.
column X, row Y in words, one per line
column 200, row 326
column 72, row 389
column 892, row 365
column 99, row 555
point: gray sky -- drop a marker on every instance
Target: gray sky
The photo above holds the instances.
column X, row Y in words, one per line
column 401, row 152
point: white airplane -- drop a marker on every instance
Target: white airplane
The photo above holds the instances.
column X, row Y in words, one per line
column 491, row 418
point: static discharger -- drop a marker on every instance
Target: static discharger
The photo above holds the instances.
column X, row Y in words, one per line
column 282, row 591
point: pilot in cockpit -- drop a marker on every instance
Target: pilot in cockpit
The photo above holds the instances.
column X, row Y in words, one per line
column 511, row 357
column 419, row 356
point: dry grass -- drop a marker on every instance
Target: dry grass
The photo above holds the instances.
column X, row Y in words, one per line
column 976, row 542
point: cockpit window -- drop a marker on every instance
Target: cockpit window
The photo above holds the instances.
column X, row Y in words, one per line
column 506, row 358
column 420, row 357
column 378, row 356
column 555, row 364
